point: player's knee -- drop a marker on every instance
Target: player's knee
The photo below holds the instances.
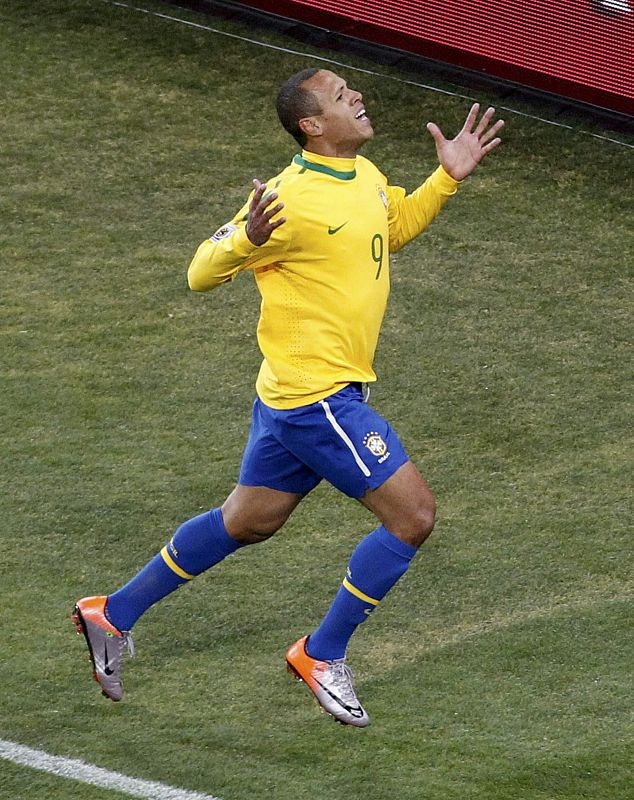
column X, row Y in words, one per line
column 250, row 524
column 252, row 531
column 423, row 521
column 417, row 521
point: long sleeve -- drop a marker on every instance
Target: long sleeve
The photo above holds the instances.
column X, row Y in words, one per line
column 410, row 214
column 219, row 258
column 229, row 251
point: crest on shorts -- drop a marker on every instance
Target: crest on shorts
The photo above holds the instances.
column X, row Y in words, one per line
column 375, row 444
column 223, row 233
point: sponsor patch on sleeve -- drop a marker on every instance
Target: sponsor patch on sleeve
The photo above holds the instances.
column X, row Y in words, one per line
column 223, row 233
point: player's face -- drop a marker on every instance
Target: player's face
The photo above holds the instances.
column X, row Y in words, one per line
column 344, row 126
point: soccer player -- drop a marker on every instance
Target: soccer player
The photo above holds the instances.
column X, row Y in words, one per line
column 318, row 238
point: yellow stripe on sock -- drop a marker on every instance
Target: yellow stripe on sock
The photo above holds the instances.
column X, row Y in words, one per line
column 174, row 566
column 358, row 593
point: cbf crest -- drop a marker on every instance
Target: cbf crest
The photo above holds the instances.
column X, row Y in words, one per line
column 375, row 444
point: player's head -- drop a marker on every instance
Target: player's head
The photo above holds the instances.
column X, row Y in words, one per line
column 295, row 102
column 323, row 114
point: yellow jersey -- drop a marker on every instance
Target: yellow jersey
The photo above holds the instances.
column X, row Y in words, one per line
column 323, row 276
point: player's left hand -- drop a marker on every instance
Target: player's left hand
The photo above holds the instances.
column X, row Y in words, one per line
column 461, row 155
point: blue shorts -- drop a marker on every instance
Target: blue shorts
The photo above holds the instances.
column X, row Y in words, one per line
column 339, row 439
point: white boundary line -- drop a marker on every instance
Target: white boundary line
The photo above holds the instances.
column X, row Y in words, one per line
column 314, row 57
column 95, row 776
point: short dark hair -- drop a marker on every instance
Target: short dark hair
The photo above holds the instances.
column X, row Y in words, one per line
column 294, row 102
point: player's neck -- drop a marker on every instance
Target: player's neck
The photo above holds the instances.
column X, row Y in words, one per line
column 331, row 150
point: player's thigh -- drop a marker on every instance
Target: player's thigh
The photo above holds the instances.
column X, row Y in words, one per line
column 404, row 504
column 254, row 513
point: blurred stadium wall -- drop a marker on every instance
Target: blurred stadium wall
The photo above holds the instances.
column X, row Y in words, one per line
column 582, row 50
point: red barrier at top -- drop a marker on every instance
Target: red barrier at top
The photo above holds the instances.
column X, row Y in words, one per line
column 583, row 49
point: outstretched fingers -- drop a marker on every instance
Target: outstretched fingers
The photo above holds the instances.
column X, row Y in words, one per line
column 260, row 225
column 488, row 140
column 471, row 118
column 462, row 154
column 435, row 132
column 490, row 146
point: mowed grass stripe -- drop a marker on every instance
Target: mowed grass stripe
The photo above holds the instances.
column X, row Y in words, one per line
column 585, row 599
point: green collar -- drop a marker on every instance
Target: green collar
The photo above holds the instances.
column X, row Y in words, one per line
column 342, row 176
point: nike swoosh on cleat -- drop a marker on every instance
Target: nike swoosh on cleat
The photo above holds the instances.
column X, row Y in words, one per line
column 106, row 668
column 356, row 712
column 334, row 230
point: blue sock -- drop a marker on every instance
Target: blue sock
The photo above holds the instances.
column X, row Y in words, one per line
column 197, row 545
column 375, row 566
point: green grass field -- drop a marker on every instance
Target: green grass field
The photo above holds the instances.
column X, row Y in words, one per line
column 500, row 668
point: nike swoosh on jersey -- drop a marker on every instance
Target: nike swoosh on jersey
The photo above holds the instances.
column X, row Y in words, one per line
column 334, row 230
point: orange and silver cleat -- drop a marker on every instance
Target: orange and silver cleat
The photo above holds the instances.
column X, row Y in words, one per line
column 330, row 682
column 105, row 643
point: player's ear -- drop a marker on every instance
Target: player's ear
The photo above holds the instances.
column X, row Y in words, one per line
column 311, row 126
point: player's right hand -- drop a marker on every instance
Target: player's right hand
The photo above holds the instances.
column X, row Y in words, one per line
column 260, row 224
